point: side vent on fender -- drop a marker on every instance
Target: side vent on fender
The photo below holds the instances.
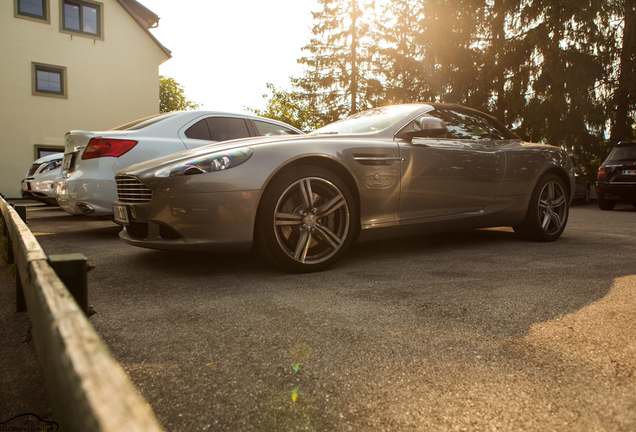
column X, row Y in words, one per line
column 375, row 159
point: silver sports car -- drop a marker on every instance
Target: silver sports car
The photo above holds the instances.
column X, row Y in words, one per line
column 303, row 200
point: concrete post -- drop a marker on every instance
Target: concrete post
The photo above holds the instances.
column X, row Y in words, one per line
column 72, row 270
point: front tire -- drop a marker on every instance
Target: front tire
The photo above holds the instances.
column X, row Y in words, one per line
column 307, row 220
column 547, row 212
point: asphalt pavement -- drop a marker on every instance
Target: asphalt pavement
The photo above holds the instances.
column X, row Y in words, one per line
column 466, row 331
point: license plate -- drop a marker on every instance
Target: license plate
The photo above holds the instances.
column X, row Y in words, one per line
column 25, row 186
column 629, row 172
column 120, row 213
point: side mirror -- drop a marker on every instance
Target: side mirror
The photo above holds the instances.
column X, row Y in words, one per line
column 424, row 127
column 430, row 126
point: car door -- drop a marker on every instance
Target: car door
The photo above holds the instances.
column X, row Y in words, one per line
column 215, row 128
column 456, row 173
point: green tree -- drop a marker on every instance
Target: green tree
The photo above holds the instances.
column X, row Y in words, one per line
column 338, row 75
column 433, row 51
column 505, row 75
column 563, row 107
column 452, row 54
column 172, row 96
column 292, row 108
column 400, row 50
column 624, row 96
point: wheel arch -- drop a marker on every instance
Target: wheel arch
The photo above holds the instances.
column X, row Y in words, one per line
column 331, row 164
column 559, row 172
column 563, row 176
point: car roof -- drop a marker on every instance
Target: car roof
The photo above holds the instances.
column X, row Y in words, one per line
column 178, row 116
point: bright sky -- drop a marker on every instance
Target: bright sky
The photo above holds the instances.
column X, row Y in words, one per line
column 224, row 52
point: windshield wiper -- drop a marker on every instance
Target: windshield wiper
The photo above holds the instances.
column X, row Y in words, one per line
column 325, row 133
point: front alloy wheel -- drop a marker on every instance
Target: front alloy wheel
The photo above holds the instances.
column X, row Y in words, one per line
column 306, row 221
column 547, row 212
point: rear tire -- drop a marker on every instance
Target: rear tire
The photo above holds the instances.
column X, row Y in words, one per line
column 586, row 198
column 605, row 204
column 306, row 221
column 547, row 212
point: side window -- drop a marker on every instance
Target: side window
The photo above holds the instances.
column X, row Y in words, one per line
column 227, row 128
column 495, row 133
column 199, row 131
column 464, row 126
column 36, row 10
column 51, row 165
column 270, row 129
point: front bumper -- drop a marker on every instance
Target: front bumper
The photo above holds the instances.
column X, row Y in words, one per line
column 215, row 222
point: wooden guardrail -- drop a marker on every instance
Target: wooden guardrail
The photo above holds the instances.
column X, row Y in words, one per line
column 86, row 388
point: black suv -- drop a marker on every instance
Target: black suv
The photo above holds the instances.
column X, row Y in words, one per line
column 616, row 178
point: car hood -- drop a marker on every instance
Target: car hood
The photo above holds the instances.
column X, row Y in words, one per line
column 216, row 148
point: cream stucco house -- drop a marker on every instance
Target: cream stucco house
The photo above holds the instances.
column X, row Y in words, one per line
column 71, row 64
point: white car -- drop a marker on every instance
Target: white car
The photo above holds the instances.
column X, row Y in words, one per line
column 38, row 183
column 91, row 159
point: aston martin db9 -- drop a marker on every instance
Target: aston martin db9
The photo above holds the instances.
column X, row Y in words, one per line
column 302, row 200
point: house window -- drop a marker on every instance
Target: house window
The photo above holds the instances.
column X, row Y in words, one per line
column 36, row 10
column 41, row 151
column 49, row 80
column 82, row 17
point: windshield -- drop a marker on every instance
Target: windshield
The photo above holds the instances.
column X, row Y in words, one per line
column 369, row 121
column 143, row 122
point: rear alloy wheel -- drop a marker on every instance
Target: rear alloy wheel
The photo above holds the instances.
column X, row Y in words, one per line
column 307, row 220
column 605, row 204
column 547, row 212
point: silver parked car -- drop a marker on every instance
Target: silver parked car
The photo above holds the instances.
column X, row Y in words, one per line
column 303, row 200
column 38, row 183
column 91, row 159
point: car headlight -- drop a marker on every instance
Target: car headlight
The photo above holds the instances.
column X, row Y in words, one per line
column 204, row 164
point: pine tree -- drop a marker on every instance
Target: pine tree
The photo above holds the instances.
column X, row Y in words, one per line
column 624, row 98
column 338, row 77
column 401, row 53
column 451, row 52
column 563, row 107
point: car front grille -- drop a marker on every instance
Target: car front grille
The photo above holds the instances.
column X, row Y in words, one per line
column 131, row 191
